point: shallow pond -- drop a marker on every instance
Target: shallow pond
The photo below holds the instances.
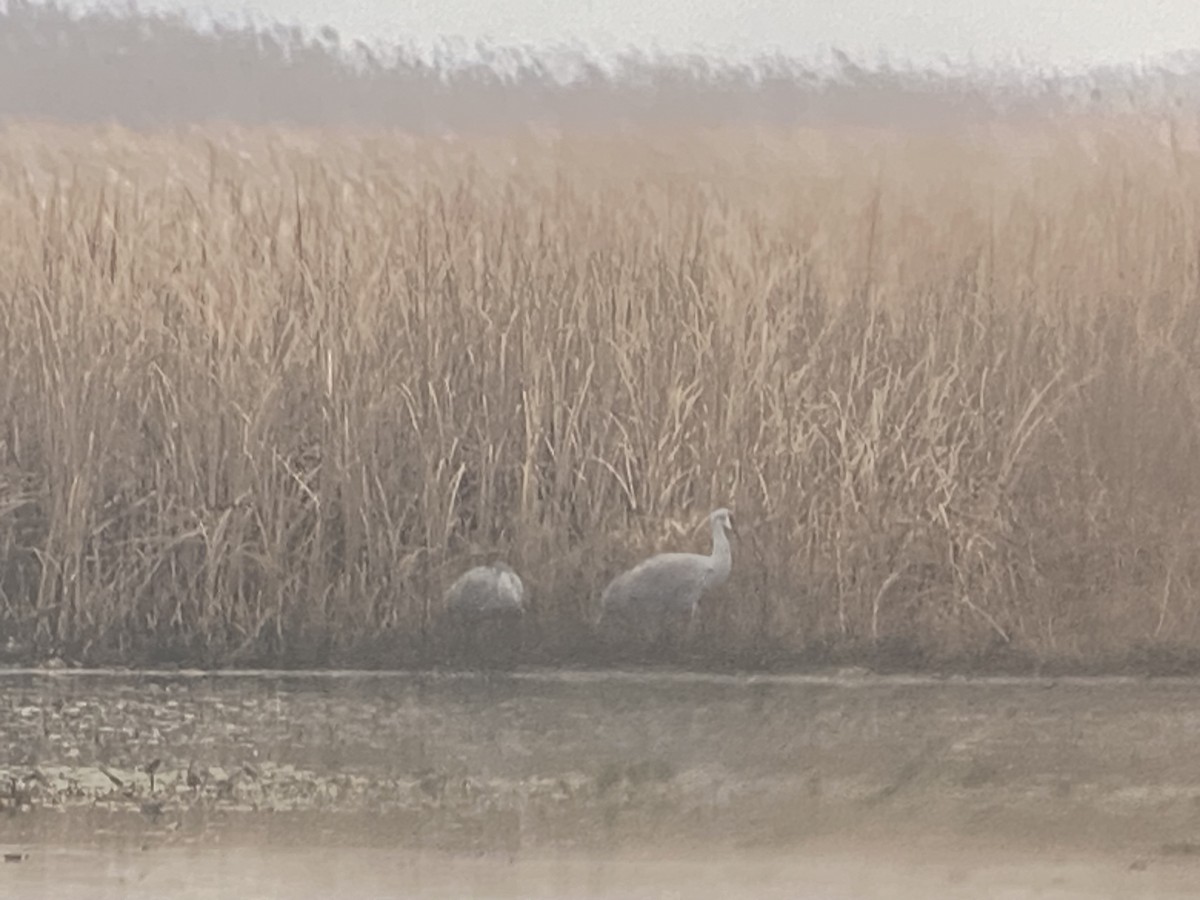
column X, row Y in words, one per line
column 648, row 784
column 347, row 873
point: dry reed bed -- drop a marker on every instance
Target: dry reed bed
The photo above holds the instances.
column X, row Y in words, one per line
column 264, row 392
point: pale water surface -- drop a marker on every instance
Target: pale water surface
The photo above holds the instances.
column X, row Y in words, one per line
column 819, row 872
column 596, row 785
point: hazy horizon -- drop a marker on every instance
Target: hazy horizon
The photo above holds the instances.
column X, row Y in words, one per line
column 1064, row 34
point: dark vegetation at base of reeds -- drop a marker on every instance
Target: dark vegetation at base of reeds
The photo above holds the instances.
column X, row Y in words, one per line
column 265, row 393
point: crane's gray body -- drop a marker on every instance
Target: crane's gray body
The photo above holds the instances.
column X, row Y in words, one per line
column 486, row 591
column 656, row 600
column 485, row 609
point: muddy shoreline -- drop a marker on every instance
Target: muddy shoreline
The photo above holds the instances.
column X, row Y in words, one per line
column 1151, row 661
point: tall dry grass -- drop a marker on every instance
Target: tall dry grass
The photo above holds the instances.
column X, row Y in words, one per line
column 263, row 393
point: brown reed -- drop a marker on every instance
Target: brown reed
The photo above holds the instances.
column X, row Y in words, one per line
column 265, row 392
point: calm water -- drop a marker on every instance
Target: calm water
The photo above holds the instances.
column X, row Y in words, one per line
column 247, row 872
column 596, row 785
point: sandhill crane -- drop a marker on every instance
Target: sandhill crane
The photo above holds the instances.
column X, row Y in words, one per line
column 654, row 602
column 484, row 612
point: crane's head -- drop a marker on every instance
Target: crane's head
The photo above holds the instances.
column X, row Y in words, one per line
column 724, row 518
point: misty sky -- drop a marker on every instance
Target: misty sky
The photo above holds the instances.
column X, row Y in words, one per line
column 1064, row 33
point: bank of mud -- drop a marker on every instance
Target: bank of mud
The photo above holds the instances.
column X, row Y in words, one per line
column 1158, row 658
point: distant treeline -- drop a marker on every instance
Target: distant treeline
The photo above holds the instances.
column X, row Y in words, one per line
column 146, row 68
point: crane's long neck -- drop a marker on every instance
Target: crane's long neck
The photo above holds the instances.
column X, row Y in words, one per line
column 721, row 556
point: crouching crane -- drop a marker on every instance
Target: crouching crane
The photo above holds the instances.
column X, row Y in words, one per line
column 485, row 609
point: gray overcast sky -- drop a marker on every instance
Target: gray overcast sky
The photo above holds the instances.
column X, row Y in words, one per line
column 1060, row 32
